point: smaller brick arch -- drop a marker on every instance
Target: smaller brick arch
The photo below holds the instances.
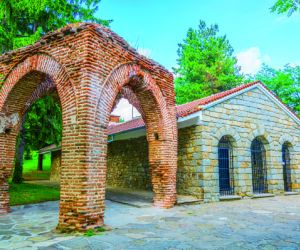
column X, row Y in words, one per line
column 134, row 82
column 43, row 64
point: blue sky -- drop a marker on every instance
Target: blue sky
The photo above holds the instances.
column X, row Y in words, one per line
column 156, row 27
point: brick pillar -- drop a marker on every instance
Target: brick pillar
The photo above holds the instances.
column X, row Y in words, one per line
column 163, row 168
column 7, row 153
column 80, row 205
column 4, row 196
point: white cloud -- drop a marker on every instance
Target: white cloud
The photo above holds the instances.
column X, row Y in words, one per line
column 125, row 110
column 145, row 52
column 251, row 60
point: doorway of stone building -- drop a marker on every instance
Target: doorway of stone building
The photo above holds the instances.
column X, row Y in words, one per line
column 259, row 168
column 286, row 160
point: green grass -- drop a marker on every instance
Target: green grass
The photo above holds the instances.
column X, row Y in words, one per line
column 30, row 168
column 25, row 193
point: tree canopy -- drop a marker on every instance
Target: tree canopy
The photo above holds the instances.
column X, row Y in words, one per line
column 46, row 129
column 285, row 83
column 286, row 6
column 24, row 21
column 206, row 64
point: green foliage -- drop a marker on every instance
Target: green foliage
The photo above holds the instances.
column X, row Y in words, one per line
column 286, row 6
column 43, row 125
column 96, row 231
column 25, row 193
column 285, row 83
column 24, row 21
column 206, row 64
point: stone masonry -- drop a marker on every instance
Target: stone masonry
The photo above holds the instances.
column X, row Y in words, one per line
column 89, row 66
column 242, row 118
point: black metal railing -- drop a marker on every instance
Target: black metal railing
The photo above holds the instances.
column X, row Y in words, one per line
column 259, row 167
column 225, row 157
column 286, row 160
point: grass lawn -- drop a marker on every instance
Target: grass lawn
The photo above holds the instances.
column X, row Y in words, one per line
column 30, row 168
column 26, row 193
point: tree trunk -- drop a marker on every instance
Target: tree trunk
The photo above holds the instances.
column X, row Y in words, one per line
column 18, row 171
column 40, row 162
column 27, row 154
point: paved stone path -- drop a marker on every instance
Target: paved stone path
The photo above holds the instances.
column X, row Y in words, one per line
column 269, row 223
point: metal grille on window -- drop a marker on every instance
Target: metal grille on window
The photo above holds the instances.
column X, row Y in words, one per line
column 286, row 167
column 259, row 168
column 225, row 157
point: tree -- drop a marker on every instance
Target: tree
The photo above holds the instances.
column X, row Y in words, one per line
column 286, row 6
column 206, row 64
column 23, row 22
column 46, row 129
column 285, row 83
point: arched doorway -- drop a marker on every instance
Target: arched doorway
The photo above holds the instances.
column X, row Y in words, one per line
column 225, row 159
column 259, row 168
column 286, row 161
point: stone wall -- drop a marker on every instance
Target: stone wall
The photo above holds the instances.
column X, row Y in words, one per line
column 243, row 118
column 127, row 164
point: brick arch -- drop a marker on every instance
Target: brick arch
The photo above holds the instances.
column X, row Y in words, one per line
column 161, row 128
column 45, row 65
column 25, row 83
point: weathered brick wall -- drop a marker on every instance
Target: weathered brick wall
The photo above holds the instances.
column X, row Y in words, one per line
column 245, row 117
column 89, row 65
column 128, row 164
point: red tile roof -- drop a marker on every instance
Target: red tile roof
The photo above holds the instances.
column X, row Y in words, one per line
column 189, row 108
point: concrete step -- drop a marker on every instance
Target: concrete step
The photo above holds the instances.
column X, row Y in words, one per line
column 230, row 198
column 265, row 195
column 291, row 193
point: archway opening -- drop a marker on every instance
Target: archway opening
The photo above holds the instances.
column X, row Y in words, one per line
column 128, row 172
column 30, row 101
column 286, row 162
column 226, row 169
column 259, row 166
column 133, row 83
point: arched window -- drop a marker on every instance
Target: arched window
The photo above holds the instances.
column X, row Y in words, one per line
column 259, row 168
column 286, row 160
column 225, row 167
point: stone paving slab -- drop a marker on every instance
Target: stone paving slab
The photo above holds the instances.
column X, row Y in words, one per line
column 269, row 223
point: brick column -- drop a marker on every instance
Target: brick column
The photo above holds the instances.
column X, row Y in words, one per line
column 7, row 153
column 163, row 170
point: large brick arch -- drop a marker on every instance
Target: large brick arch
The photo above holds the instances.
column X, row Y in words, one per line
column 25, row 83
column 90, row 67
column 142, row 90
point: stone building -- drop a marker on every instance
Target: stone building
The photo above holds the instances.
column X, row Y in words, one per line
column 241, row 142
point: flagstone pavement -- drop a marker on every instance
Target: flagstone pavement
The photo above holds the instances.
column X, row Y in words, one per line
column 268, row 223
